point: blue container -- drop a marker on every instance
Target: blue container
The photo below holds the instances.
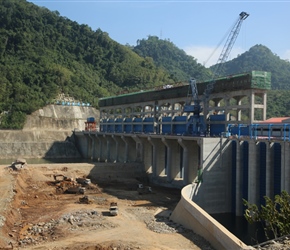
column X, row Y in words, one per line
column 240, row 130
column 111, row 126
column 103, row 125
column 118, row 125
column 137, row 127
column 166, row 128
column 179, row 125
column 91, row 119
column 148, row 125
column 221, row 117
column 128, row 125
column 216, row 129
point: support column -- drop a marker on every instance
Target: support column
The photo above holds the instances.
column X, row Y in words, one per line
column 99, row 148
column 158, row 165
column 254, row 181
column 89, row 146
column 264, row 106
column 139, row 149
column 92, row 153
column 252, row 105
column 269, row 170
column 239, row 181
column 116, row 156
column 285, row 170
column 126, row 148
column 147, row 154
column 172, row 167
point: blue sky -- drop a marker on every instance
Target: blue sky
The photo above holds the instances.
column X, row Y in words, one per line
column 197, row 27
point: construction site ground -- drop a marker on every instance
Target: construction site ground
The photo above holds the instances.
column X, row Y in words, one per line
column 34, row 216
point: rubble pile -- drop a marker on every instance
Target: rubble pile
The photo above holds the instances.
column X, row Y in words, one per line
column 45, row 231
column 164, row 225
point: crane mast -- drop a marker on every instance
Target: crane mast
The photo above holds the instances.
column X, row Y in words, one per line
column 196, row 124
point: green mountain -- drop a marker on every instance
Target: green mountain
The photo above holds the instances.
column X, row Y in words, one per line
column 175, row 61
column 43, row 55
column 261, row 58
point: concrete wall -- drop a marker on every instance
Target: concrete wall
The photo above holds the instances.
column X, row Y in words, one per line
column 214, row 191
column 193, row 217
column 47, row 133
column 58, row 117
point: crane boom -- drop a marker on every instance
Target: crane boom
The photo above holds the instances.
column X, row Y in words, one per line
column 196, row 124
column 226, row 51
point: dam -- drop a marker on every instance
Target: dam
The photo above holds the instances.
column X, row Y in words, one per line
column 232, row 162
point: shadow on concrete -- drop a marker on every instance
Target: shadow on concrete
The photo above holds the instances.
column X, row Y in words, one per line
column 63, row 150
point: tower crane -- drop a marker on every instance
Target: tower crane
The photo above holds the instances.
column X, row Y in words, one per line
column 196, row 124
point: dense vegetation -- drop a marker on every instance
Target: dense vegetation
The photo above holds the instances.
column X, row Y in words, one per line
column 43, row 55
column 174, row 60
column 274, row 215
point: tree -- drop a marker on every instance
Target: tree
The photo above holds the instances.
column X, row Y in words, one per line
column 274, row 215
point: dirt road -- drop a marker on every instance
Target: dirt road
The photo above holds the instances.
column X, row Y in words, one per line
column 38, row 218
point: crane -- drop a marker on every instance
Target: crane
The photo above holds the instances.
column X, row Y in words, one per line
column 196, row 123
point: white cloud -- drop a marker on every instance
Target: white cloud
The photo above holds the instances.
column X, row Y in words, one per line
column 209, row 56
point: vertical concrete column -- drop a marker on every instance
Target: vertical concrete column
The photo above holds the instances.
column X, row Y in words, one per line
column 116, row 155
column 285, row 170
column 119, row 148
column 103, row 155
column 190, row 162
column 108, row 150
column 254, row 181
column 158, row 165
column 126, row 149
column 239, row 178
column 99, row 148
column 269, row 170
column 172, row 166
column 91, row 154
column 88, row 147
column 252, row 105
column 185, row 162
column 264, row 106
column 139, row 148
column 147, row 154
column 239, row 111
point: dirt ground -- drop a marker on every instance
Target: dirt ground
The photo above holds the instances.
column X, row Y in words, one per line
column 34, row 216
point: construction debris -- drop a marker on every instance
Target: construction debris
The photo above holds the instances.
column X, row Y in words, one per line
column 85, row 200
column 144, row 189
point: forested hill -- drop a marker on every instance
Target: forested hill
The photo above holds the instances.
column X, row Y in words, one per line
column 43, row 54
column 174, row 60
column 260, row 57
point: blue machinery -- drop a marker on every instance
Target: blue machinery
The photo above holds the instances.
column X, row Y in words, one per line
column 260, row 131
column 178, row 125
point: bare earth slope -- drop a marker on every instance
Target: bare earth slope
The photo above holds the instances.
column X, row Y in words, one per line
column 38, row 218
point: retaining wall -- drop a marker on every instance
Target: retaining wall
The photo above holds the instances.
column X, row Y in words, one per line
column 193, row 217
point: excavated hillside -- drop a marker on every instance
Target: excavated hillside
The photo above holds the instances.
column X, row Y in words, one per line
column 47, row 133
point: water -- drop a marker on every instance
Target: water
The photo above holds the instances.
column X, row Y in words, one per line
column 250, row 234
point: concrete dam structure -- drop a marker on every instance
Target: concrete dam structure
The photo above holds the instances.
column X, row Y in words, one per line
column 215, row 172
